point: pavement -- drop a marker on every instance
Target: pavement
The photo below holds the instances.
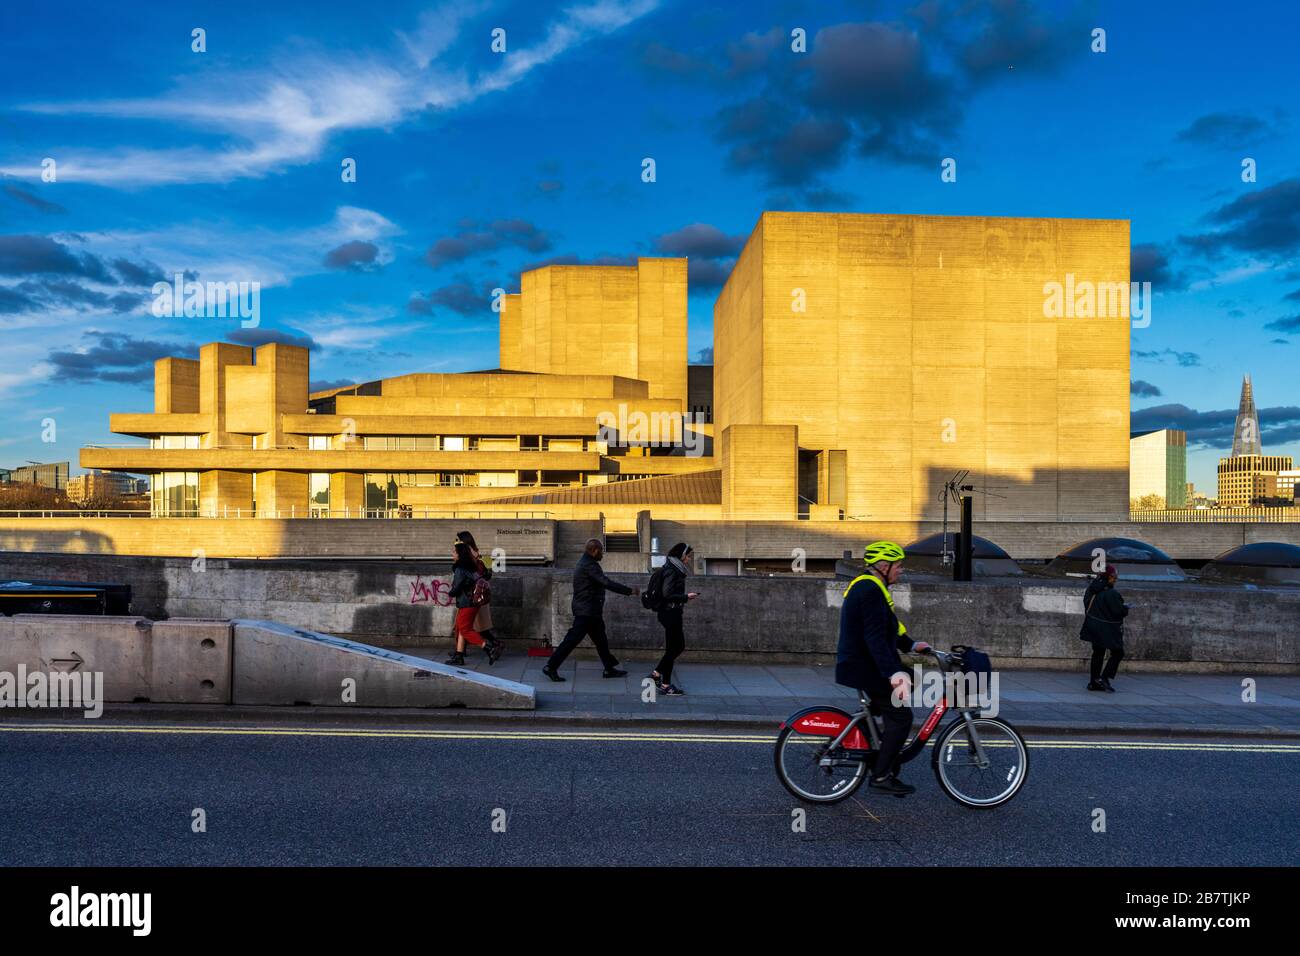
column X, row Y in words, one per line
column 760, row 695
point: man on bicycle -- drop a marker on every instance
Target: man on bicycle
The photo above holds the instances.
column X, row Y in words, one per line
column 871, row 635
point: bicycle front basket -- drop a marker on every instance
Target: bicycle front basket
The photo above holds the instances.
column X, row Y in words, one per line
column 973, row 660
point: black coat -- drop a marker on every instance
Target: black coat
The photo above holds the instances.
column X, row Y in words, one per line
column 1104, row 612
column 589, row 587
column 870, row 639
column 674, row 587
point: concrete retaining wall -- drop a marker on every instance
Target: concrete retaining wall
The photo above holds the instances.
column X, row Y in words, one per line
column 1033, row 621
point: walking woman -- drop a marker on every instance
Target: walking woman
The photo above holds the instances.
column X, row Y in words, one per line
column 483, row 619
column 673, row 588
column 465, row 575
column 1103, row 625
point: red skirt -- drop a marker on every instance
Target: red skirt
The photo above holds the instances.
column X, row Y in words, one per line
column 465, row 625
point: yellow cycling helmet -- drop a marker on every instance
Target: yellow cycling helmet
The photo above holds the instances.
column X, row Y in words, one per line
column 882, row 551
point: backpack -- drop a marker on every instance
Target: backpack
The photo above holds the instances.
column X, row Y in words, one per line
column 482, row 593
column 652, row 598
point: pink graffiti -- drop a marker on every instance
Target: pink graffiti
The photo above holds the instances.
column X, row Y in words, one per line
column 433, row 592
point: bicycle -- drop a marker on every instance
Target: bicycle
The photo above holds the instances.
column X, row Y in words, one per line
column 822, row 755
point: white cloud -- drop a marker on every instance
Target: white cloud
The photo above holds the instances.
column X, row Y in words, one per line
column 262, row 122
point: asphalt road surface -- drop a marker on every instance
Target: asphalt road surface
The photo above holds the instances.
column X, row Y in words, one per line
column 125, row 794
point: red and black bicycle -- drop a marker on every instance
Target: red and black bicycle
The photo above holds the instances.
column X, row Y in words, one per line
column 823, row 753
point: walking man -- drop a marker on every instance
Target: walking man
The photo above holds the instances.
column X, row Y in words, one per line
column 589, row 587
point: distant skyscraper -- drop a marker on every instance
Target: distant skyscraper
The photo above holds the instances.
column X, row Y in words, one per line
column 1245, row 437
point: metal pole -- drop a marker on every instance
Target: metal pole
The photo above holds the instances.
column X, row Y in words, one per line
column 965, row 543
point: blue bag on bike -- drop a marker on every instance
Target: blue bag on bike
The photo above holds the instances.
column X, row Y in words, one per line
column 973, row 660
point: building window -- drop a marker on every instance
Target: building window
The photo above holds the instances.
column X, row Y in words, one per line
column 498, row 479
column 174, row 441
column 453, row 443
column 319, row 494
column 174, row 494
column 318, row 442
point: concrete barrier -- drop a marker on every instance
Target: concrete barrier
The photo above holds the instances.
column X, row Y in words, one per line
column 191, row 661
column 184, row 662
column 277, row 664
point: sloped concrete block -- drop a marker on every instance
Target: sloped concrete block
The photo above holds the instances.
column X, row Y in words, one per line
column 278, row 664
column 191, row 661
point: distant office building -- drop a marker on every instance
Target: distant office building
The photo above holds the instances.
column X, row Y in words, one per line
column 1245, row 480
column 1288, row 482
column 103, row 484
column 1245, row 435
column 54, row 475
column 1158, row 469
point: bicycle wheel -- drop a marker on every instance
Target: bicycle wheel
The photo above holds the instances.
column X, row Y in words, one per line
column 957, row 765
column 808, row 772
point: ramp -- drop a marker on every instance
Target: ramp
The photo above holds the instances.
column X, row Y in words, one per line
column 278, row 664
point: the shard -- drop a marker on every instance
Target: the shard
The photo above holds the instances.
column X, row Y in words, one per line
column 1245, row 437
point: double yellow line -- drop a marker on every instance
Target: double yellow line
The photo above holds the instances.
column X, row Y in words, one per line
column 600, row 736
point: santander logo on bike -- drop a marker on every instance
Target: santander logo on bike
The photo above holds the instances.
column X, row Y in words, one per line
column 961, row 691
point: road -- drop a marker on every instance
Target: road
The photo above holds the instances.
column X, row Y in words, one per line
column 125, row 794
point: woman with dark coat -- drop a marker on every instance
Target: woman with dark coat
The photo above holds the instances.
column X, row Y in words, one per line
column 483, row 619
column 1103, row 625
column 675, row 596
column 465, row 574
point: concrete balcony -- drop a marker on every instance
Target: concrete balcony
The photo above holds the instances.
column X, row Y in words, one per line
column 476, row 425
column 148, row 425
column 143, row 459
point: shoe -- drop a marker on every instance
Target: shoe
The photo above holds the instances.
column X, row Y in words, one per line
column 494, row 651
column 1105, row 685
column 657, row 677
column 456, row 660
column 891, row 784
column 671, row 690
column 1096, row 685
column 614, row 672
column 546, row 669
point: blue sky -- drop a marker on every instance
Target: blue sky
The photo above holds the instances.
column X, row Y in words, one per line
column 472, row 165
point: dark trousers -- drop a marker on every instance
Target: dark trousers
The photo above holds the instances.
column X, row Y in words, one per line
column 582, row 627
column 1112, row 665
column 897, row 723
column 674, row 642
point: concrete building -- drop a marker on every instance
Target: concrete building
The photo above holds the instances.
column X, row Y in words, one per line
column 1158, row 468
column 53, row 475
column 1245, row 480
column 860, row 361
column 868, row 358
column 102, row 484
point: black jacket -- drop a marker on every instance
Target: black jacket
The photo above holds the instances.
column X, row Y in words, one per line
column 589, row 587
column 462, row 586
column 870, row 639
column 1104, row 613
column 674, row 587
